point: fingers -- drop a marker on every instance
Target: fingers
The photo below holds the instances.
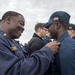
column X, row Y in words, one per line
column 58, row 43
column 54, row 46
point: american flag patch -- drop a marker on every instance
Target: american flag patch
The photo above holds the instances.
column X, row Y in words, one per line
column 56, row 18
column 70, row 27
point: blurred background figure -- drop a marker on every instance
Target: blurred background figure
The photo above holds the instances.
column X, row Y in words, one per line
column 36, row 42
column 47, row 38
column 71, row 30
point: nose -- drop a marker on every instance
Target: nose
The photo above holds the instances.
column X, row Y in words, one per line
column 22, row 28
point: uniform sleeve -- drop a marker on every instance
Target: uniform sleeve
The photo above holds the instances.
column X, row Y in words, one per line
column 67, row 58
column 37, row 64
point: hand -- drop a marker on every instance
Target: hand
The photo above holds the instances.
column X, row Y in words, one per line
column 53, row 46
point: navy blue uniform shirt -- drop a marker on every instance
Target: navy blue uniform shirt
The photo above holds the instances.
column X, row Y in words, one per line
column 64, row 63
column 14, row 60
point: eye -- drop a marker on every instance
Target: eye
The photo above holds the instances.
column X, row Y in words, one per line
column 21, row 22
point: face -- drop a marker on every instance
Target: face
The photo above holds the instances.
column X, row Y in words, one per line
column 43, row 32
column 16, row 26
column 53, row 31
column 48, row 34
column 71, row 33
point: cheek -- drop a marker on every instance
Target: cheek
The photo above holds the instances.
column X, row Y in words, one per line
column 44, row 33
column 52, row 31
column 69, row 32
column 12, row 26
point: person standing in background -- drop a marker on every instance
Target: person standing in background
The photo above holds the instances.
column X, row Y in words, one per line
column 36, row 42
column 47, row 38
column 71, row 30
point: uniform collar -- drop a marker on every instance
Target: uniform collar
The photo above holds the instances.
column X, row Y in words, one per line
column 1, row 32
column 4, row 34
column 63, row 36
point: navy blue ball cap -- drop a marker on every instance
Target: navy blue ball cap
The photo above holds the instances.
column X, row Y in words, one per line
column 71, row 26
column 46, row 25
column 59, row 16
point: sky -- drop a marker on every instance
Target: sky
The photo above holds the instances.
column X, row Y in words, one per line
column 35, row 11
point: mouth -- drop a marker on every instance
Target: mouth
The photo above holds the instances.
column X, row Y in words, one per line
column 19, row 31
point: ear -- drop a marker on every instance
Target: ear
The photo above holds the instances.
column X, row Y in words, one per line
column 58, row 25
column 8, row 20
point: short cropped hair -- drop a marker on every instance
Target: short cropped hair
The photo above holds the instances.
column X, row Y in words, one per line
column 10, row 14
column 38, row 25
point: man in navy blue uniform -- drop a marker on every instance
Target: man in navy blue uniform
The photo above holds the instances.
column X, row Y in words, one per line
column 64, row 62
column 13, row 59
column 71, row 30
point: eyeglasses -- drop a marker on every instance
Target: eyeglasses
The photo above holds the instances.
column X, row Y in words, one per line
column 45, row 29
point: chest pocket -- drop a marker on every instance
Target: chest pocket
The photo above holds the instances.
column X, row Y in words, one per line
column 16, row 50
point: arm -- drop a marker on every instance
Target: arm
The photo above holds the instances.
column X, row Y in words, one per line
column 37, row 64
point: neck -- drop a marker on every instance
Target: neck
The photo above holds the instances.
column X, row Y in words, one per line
column 60, row 33
column 38, row 34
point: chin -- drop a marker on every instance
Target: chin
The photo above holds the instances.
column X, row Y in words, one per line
column 16, row 37
column 53, row 37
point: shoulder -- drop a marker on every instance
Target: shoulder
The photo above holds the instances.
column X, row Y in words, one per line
column 68, row 41
column 67, row 46
column 2, row 39
column 35, row 39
